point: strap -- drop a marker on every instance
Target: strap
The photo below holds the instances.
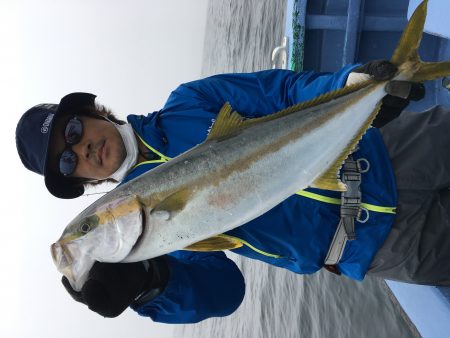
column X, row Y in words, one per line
column 159, row 270
column 350, row 210
column 146, row 297
column 163, row 158
column 351, row 199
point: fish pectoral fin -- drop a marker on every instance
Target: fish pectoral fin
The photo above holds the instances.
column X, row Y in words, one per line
column 171, row 204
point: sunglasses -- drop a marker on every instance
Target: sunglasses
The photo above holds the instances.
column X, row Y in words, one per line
column 72, row 135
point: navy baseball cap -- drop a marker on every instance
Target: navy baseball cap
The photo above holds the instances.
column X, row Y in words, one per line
column 34, row 133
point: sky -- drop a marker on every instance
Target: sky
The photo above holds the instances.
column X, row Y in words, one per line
column 131, row 54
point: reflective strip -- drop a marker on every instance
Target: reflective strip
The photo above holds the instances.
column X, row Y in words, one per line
column 164, row 158
column 148, row 162
column 337, row 201
column 376, row 208
column 318, row 197
column 251, row 246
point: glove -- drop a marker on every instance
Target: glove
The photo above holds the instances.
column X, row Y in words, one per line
column 392, row 106
column 379, row 70
column 112, row 287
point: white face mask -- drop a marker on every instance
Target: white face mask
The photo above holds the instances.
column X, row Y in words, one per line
column 131, row 148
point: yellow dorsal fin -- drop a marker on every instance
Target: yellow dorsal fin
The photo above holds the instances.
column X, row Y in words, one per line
column 229, row 122
column 215, row 243
column 324, row 98
column 329, row 180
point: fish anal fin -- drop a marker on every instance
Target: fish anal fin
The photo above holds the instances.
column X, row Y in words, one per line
column 329, row 184
column 215, row 243
column 329, row 179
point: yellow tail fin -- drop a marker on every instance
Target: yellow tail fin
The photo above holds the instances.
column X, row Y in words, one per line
column 431, row 70
column 406, row 56
column 412, row 35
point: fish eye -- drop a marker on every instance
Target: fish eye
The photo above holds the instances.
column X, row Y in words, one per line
column 85, row 227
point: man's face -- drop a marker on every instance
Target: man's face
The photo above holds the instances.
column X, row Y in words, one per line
column 100, row 151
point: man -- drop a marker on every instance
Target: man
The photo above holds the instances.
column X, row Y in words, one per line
column 86, row 144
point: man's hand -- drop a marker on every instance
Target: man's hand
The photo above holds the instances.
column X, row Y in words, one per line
column 112, row 287
column 392, row 105
column 379, row 70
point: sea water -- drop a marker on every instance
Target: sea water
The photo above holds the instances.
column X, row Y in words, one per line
column 240, row 36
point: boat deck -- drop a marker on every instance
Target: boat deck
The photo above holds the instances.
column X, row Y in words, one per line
column 324, row 35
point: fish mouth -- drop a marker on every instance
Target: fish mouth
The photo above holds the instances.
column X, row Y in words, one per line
column 61, row 256
column 55, row 250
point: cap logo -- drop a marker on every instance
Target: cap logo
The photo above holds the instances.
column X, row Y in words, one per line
column 46, row 124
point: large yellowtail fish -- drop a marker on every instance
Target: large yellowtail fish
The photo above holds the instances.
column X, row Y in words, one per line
column 243, row 169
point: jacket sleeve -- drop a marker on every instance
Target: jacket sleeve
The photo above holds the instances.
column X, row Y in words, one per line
column 201, row 285
column 258, row 93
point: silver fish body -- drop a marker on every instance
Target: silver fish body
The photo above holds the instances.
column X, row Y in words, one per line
column 214, row 187
column 234, row 180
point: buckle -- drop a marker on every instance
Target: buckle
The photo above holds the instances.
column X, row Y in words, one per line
column 350, row 211
column 351, row 199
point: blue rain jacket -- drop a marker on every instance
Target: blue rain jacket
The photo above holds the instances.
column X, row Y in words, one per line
column 297, row 233
column 201, row 285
